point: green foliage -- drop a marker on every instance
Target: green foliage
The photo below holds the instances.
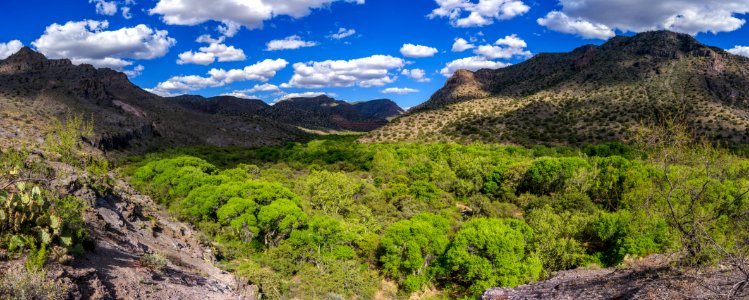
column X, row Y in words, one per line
column 153, row 261
column 558, row 238
column 28, row 219
column 549, row 175
column 492, row 252
column 409, row 248
column 329, row 218
column 22, row 284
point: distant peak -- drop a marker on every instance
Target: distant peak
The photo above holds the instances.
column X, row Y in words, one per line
column 26, row 54
column 659, row 43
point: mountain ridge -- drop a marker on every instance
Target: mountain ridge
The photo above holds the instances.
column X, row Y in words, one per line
column 589, row 95
column 35, row 90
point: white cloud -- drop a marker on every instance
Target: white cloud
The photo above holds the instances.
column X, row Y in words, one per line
column 107, row 8
column 266, row 87
column 126, row 12
column 418, row 51
column 89, row 42
column 303, row 95
column 558, row 21
column 496, row 52
column 512, row 41
column 209, row 54
column 289, row 43
column 261, row 71
column 399, row 91
column 467, row 13
column 235, row 13
column 365, row 72
column 510, row 46
column 10, row 48
column 472, row 63
column 599, row 18
column 242, row 95
column 135, row 72
column 416, row 74
column 342, row 33
column 461, row 45
column 738, row 50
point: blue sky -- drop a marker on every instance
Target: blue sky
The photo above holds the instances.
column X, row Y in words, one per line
column 148, row 38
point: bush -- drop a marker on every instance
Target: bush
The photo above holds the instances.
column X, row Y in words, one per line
column 409, row 248
column 492, row 253
column 19, row 283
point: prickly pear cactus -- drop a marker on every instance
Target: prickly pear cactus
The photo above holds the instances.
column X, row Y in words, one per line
column 25, row 213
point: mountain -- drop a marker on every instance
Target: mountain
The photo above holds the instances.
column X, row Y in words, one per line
column 328, row 114
column 383, row 109
column 592, row 94
column 223, row 105
column 35, row 90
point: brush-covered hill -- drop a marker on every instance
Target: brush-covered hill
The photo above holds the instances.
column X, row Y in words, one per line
column 592, row 94
column 328, row 114
column 35, row 90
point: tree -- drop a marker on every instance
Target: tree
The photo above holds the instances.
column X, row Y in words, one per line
column 492, row 252
column 278, row 219
column 332, row 193
column 410, row 246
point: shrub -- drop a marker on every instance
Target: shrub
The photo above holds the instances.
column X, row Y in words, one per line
column 492, row 252
column 409, row 248
column 19, row 283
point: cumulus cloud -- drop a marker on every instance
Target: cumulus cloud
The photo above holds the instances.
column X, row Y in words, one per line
column 738, row 50
column 504, row 48
column 289, row 43
column 235, row 14
column 126, row 13
column 135, row 72
column 416, row 74
column 261, row 71
column 242, row 95
column 598, row 19
column 461, row 45
column 558, row 21
column 10, row 48
column 365, row 72
column 303, row 95
column 266, row 87
column 90, row 42
column 342, row 34
column 107, row 8
column 399, row 91
column 418, row 51
column 209, row 54
column 468, row 13
column 472, row 63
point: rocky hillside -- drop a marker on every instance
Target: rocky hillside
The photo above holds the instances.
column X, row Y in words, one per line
column 35, row 90
column 592, row 94
column 223, row 105
column 325, row 113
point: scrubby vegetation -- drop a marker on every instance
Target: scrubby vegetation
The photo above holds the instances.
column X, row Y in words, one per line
column 39, row 221
column 332, row 218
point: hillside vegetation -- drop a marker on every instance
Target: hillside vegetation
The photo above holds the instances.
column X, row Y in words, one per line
column 332, row 218
column 593, row 94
